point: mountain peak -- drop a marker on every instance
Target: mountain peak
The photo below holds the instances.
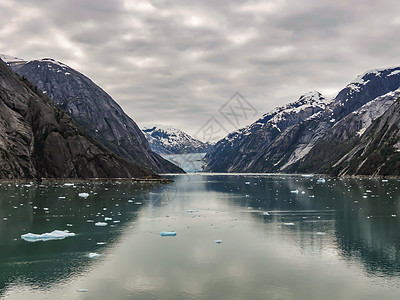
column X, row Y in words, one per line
column 165, row 139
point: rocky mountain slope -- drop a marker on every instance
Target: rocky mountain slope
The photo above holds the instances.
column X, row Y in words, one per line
column 238, row 151
column 377, row 152
column 94, row 110
column 315, row 143
column 169, row 140
column 38, row 140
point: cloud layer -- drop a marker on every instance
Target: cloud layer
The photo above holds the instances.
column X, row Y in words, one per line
column 177, row 62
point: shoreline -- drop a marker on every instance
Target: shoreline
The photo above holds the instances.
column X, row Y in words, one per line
column 83, row 180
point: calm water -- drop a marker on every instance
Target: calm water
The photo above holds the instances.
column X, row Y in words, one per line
column 284, row 237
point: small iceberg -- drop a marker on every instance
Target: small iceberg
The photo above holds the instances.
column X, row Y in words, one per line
column 94, row 255
column 288, row 224
column 168, row 233
column 102, row 224
column 321, row 180
column 83, row 195
column 54, row 235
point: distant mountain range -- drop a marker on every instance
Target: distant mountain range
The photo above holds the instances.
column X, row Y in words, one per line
column 39, row 140
column 169, row 140
column 353, row 133
column 93, row 109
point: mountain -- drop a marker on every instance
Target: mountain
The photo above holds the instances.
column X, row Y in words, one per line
column 377, row 152
column 94, row 110
column 315, row 143
column 238, row 151
column 39, row 140
column 170, row 140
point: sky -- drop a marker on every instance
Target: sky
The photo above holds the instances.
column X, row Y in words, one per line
column 179, row 62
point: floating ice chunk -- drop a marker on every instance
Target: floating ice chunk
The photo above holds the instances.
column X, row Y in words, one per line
column 218, row 241
column 295, row 192
column 83, row 195
column 107, row 219
column 94, row 255
column 101, row 224
column 54, row 235
column 168, row 233
column 321, row 180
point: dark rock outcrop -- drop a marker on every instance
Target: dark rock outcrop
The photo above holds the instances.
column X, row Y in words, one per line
column 95, row 111
column 37, row 139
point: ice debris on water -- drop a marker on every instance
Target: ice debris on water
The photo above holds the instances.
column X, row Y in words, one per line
column 168, row 233
column 101, row 224
column 83, row 195
column 54, row 235
column 94, row 255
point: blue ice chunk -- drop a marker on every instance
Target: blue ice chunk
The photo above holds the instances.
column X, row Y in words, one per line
column 168, row 233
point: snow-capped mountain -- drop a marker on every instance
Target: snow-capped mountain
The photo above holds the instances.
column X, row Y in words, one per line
column 94, row 110
column 169, row 140
column 11, row 60
column 236, row 152
column 313, row 143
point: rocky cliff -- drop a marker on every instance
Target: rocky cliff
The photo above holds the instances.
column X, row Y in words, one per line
column 94, row 110
column 38, row 140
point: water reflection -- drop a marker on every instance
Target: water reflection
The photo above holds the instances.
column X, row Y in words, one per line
column 361, row 214
column 44, row 208
column 284, row 237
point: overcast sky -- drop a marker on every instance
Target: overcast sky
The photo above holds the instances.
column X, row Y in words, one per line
column 177, row 62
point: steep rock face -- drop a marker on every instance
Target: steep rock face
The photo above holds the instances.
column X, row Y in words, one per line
column 38, row 140
column 240, row 149
column 343, row 135
column 315, row 143
column 168, row 140
column 377, row 152
column 93, row 109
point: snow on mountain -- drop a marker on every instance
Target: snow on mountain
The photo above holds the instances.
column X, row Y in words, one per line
column 291, row 139
column 169, row 140
column 12, row 60
column 236, row 151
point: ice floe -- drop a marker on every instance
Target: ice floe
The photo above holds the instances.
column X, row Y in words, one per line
column 54, row 235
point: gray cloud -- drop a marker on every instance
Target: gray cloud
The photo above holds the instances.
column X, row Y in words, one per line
column 177, row 62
